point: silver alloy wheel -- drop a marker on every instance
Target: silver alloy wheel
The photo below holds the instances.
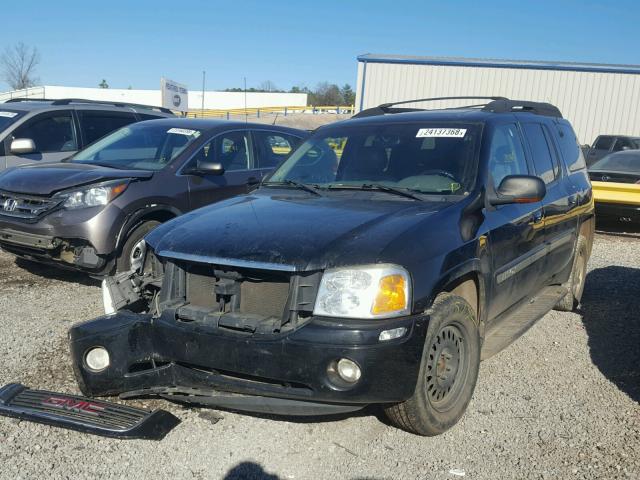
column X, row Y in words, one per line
column 136, row 255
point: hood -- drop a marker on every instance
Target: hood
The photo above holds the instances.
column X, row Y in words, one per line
column 48, row 178
column 289, row 231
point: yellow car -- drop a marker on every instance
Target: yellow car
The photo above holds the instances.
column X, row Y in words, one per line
column 616, row 186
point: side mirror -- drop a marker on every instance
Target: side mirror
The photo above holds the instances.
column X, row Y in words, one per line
column 21, row 146
column 209, row 168
column 518, row 189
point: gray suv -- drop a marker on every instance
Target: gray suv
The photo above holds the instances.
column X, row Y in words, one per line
column 33, row 131
column 90, row 212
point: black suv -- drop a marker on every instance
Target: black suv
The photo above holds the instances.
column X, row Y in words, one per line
column 90, row 212
column 39, row 130
column 378, row 264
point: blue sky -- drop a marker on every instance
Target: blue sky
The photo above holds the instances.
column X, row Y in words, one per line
column 134, row 43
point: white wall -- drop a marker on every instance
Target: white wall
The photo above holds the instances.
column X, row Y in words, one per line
column 213, row 100
column 595, row 103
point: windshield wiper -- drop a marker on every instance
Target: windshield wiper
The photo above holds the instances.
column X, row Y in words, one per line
column 403, row 192
column 302, row 186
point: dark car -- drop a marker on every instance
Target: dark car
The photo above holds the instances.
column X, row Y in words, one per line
column 38, row 130
column 606, row 144
column 616, row 200
column 91, row 211
column 377, row 265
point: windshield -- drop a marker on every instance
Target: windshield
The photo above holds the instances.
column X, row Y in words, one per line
column 628, row 162
column 433, row 158
column 141, row 146
column 7, row 117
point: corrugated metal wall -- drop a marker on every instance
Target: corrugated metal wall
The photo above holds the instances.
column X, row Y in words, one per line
column 595, row 103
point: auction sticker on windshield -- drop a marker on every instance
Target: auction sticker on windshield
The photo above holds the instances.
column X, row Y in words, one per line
column 184, row 131
column 441, row 132
column 8, row 114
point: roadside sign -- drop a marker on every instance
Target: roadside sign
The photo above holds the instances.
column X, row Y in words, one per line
column 175, row 96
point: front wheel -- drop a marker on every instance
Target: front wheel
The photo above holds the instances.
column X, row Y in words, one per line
column 131, row 249
column 448, row 370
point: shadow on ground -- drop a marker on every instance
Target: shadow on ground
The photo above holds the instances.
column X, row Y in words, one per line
column 611, row 315
column 249, row 471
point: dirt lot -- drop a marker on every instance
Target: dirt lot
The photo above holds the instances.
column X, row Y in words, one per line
column 562, row 402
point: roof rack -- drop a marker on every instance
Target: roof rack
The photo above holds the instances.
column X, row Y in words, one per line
column 506, row 106
column 28, row 99
column 67, row 101
column 496, row 105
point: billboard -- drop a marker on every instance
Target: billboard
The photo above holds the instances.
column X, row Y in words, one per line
column 174, row 95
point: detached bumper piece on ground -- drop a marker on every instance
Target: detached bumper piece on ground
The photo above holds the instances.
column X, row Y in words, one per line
column 85, row 415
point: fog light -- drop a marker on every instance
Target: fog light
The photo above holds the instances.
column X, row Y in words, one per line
column 391, row 334
column 97, row 359
column 348, row 370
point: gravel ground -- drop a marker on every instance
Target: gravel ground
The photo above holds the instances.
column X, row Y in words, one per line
column 562, row 402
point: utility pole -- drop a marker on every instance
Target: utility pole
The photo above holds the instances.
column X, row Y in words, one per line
column 245, row 99
column 203, row 77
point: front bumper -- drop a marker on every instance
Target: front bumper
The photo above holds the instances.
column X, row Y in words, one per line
column 618, row 212
column 81, row 239
column 286, row 374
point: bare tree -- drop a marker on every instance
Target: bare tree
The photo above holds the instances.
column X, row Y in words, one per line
column 268, row 86
column 18, row 64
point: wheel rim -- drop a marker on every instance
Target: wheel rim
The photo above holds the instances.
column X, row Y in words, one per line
column 136, row 254
column 446, row 368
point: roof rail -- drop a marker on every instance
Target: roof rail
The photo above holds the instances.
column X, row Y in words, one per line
column 28, row 99
column 510, row 106
column 67, row 101
column 496, row 105
column 386, row 107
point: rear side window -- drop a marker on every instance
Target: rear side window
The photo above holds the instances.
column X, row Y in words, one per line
column 623, row 144
column 506, row 156
column 273, row 148
column 603, row 142
column 570, row 149
column 50, row 132
column 541, row 152
column 96, row 125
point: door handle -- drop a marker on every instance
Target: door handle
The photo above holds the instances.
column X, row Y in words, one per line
column 538, row 216
column 573, row 199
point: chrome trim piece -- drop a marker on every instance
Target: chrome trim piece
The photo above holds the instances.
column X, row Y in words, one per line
column 232, row 262
column 25, row 206
column 530, row 258
column 518, row 265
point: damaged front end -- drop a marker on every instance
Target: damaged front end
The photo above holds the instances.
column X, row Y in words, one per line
column 73, row 253
column 239, row 335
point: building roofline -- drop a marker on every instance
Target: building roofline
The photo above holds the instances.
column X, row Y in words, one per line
column 497, row 63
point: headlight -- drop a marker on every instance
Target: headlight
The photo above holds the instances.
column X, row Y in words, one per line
column 376, row 291
column 94, row 196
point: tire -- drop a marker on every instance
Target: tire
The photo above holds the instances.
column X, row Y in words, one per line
column 452, row 341
column 123, row 263
column 575, row 284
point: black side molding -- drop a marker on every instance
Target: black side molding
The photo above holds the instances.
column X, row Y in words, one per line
column 84, row 414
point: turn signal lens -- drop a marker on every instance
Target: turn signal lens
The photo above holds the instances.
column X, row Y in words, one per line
column 367, row 291
column 391, row 295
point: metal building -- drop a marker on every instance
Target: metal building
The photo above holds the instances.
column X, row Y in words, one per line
column 596, row 98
